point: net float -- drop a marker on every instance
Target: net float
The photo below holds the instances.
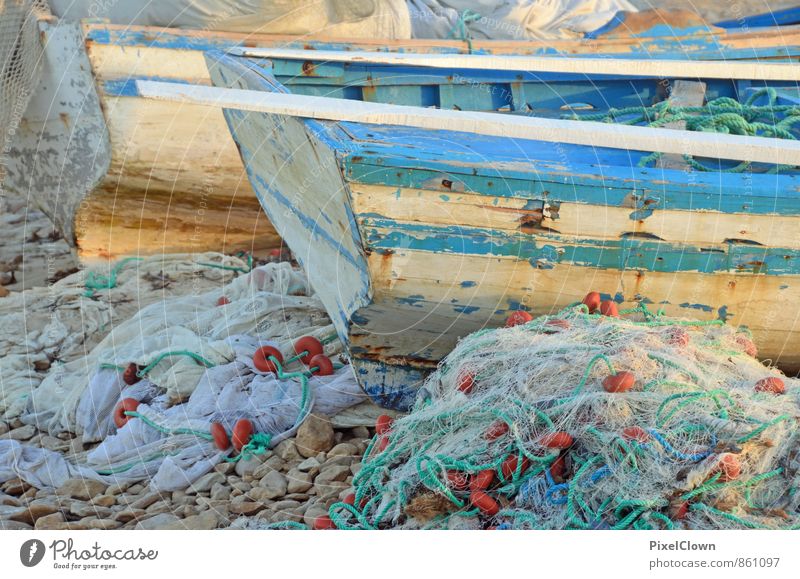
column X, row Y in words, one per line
column 518, row 318
column 486, row 504
column 306, row 348
column 482, row 481
column 636, row 433
column 350, row 499
column 123, row 406
column 680, row 511
column 383, row 443
column 323, row 365
column 728, row 466
column 509, row 466
column 275, row 252
column 242, row 433
column 221, row 440
column 262, row 362
column 131, row 374
column 771, row 384
column 609, row 308
column 324, row 523
column 496, row 430
column 223, row 301
column 458, row 480
column 559, row 440
column 748, row 345
column 619, row 382
column 592, row 301
column 466, row 382
column 383, row 424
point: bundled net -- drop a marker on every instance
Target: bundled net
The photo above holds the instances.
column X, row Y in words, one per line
column 590, row 421
column 20, row 58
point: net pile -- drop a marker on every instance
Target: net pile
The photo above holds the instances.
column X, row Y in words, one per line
column 589, row 421
column 20, row 55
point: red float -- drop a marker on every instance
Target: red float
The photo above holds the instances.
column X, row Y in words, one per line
column 496, row 430
column 592, row 301
column 482, row 481
column 123, row 406
column 350, row 499
column 518, row 318
column 559, row 440
column 223, row 301
column 678, row 337
column 324, row 523
column 458, row 480
column 772, row 384
column 748, row 345
column 220, row 436
column 383, row 443
column 558, row 323
column 466, row 382
column 636, row 433
column 619, row 382
column 323, row 365
column 131, row 374
column 728, row 466
column 311, row 346
column 609, row 308
column 486, row 504
column 509, row 466
column 242, row 433
column 383, row 424
column 680, row 511
column 558, row 468
column 262, row 362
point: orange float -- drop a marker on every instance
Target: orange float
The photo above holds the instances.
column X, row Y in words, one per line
column 482, row 481
column 518, row 318
column 383, row 424
column 559, row 440
column 242, row 433
column 636, row 433
column 131, row 374
column 309, row 347
column 772, row 384
column 223, row 301
column 509, row 466
column 262, row 362
column 619, row 382
column 458, row 480
column 609, row 308
column 592, row 301
column 324, row 523
column 496, row 430
column 221, row 440
column 123, row 406
column 486, row 504
column 466, row 382
column 323, row 365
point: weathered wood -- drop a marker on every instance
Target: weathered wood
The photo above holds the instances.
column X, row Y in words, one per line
column 616, row 66
column 602, row 135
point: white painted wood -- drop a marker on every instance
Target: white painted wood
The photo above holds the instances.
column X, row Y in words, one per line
column 559, row 64
column 714, row 145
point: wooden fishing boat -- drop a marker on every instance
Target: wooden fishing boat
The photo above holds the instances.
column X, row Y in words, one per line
column 120, row 175
column 420, row 224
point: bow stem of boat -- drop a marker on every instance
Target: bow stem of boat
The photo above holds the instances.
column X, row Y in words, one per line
column 595, row 134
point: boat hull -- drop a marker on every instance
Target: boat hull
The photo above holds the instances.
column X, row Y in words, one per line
column 414, row 239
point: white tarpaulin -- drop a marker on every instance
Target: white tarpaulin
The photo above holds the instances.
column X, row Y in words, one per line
column 391, row 19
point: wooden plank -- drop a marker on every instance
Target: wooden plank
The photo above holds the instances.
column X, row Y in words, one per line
column 601, row 135
column 533, row 64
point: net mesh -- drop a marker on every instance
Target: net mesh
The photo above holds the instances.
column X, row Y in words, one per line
column 20, row 58
column 585, row 421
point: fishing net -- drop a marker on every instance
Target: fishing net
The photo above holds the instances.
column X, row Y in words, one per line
column 759, row 115
column 588, row 421
column 20, row 57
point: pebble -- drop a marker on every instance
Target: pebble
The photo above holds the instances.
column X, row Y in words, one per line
column 53, row 443
column 361, row 432
column 117, row 488
column 50, row 522
column 274, row 483
column 22, row 433
column 220, row 491
column 34, row 511
column 129, row 515
column 333, row 473
column 205, row 482
column 225, row 467
column 273, row 464
column 309, row 465
column 104, row 501
column 3, row 428
column 159, row 521
column 247, row 467
column 315, row 435
column 80, row 509
column 81, row 489
column 102, row 524
column 247, row 508
column 299, row 482
column 287, row 450
column 343, row 449
column 145, row 501
column 15, row 487
column 6, row 525
column 203, row 522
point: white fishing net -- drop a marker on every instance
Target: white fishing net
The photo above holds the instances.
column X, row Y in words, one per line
column 57, row 324
column 532, row 427
column 20, row 59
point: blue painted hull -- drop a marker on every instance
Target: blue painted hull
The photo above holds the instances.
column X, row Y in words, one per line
column 414, row 238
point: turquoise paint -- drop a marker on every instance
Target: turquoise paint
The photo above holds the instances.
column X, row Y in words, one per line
column 444, row 197
column 625, row 254
column 722, row 314
column 466, row 284
column 415, row 300
column 466, row 309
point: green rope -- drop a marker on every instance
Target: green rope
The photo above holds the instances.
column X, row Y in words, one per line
column 98, row 281
column 460, row 30
column 231, row 267
column 196, row 357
